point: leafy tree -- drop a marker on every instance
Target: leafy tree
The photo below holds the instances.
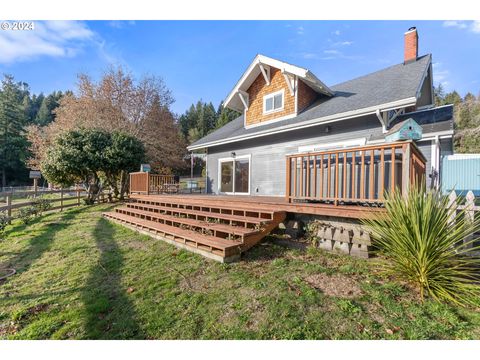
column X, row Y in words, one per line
column 89, row 156
column 124, row 155
column 140, row 108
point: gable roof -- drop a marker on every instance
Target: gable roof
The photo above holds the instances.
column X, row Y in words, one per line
column 253, row 70
column 390, row 88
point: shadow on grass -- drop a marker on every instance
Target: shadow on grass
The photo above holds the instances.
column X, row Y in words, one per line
column 265, row 251
column 109, row 312
column 38, row 244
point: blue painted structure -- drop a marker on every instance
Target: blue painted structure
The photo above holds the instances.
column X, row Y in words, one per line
column 405, row 130
column 461, row 172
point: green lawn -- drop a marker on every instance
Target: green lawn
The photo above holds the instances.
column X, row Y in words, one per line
column 81, row 277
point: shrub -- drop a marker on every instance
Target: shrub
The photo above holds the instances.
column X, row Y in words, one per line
column 311, row 231
column 4, row 220
column 41, row 204
column 423, row 246
column 26, row 214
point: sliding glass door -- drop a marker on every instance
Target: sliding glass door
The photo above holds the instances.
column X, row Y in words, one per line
column 235, row 175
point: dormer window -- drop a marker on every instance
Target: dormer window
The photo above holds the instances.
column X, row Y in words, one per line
column 273, row 102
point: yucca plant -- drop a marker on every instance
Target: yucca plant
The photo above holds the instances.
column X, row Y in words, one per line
column 422, row 238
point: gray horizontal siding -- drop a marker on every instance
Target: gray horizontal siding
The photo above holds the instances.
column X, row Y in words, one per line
column 268, row 164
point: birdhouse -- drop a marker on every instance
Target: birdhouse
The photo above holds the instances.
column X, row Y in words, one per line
column 406, row 130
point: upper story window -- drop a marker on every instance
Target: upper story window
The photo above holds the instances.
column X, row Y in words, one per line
column 273, row 102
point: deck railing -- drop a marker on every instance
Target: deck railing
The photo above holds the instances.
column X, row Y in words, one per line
column 146, row 183
column 354, row 175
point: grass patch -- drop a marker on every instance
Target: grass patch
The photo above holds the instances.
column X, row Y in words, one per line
column 82, row 277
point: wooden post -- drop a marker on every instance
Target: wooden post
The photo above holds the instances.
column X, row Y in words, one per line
column 452, row 206
column 78, row 197
column 61, row 199
column 35, row 187
column 9, row 206
column 289, row 175
column 406, row 168
column 148, row 183
column 469, row 216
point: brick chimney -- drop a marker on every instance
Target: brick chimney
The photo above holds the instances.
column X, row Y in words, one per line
column 411, row 45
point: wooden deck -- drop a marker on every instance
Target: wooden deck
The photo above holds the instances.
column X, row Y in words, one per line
column 273, row 203
column 220, row 230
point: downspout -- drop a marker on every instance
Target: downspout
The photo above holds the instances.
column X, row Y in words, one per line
column 191, row 170
column 436, row 165
column 206, row 171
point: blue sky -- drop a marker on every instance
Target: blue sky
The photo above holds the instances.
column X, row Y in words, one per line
column 204, row 59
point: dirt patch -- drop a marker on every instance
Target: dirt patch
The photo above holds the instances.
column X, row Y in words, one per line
column 34, row 310
column 137, row 245
column 335, row 285
column 8, row 328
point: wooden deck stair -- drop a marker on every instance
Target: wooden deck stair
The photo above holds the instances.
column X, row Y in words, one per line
column 217, row 230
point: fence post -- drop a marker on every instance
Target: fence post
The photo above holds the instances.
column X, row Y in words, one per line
column 78, row 196
column 35, row 187
column 406, row 168
column 61, row 199
column 469, row 216
column 452, row 199
column 9, row 207
column 148, row 183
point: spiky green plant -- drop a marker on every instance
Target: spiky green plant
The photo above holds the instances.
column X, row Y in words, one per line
column 422, row 238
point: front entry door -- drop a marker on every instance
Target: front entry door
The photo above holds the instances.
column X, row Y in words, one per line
column 235, row 175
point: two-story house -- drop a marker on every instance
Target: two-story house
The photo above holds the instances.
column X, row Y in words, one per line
column 287, row 109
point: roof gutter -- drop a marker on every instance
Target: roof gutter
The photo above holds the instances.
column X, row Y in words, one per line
column 314, row 122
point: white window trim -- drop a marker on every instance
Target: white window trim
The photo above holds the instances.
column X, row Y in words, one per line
column 333, row 145
column 272, row 95
column 227, row 159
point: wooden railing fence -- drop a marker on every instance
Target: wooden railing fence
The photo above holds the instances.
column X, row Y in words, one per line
column 354, row 175
column 146, row 183
column 66, row 198
column 470, row 210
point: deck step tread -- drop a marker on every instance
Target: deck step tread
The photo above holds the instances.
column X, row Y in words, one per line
column 207, row 240
column 216, row 203
column 229, row 229
column 238, row 218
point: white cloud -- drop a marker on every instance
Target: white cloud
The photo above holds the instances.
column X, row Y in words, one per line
column 331, row 52
column 343, row 43
column 455, row 23
column 309, row 56
column 120, row 24
column 440, row 75
column 473, row 26
column 336, row 32
column 300, row 30
column 49, row 38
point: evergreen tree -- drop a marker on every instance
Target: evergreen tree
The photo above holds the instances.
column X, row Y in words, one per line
column 452, row 98
column 202, row 118
column 44, row 116
column 439, row 94
column 13, row 144
column 225, row 116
